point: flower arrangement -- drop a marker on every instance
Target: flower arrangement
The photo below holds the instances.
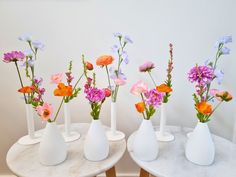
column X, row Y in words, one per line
column 203, row 76
column 94, row 95
column 150, row 99
column 165, row 87
column 115, row 73
column 33, row 92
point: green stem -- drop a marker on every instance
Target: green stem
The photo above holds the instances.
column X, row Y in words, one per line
column 152, row 78
column 145, row 107
column 58, row 110
column 21, row 82
column 215, row 109
column 78, row 82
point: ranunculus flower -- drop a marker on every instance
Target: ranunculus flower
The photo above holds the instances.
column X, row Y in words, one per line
column 104, row 60
column 204, row 108
column 45, row 111
column 224, row 96
column 164, row 88
column 147, row 66
column 107, row 92
column 89, row 65
column 26, row 89
column 140, row 107
column 56, row 78
column 63, row 90
column 139, row 87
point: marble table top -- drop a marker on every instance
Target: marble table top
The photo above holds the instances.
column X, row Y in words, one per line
column 171, row 161
column 24, row 160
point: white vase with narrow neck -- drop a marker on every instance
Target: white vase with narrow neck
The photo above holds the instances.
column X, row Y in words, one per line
column 31, row 138
column 113, row 134
column 145, row 144
column 68, row 134
column 96, row 145
column 52, row 149
column 200, row 148
column 163, row 134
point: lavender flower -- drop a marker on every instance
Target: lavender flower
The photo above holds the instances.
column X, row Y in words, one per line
column 117, row 34
column 95, row 95
column 38, row 45
column 219, row 76
column 223, row 40
column 26, row 37
column 125, row 57
column 114, row 48
column 225, row 51
column 201, row 74
column 154, row 98
column 13, row 56
column 28, row 53
column 128, row 40
column 147, row 66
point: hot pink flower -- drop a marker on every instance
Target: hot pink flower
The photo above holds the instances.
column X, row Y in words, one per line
column 56, row 78
column 13, row 56
column 45, row 111
column 139, row 87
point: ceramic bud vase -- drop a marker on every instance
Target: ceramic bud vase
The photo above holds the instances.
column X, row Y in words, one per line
column 200, row 148
column 145, row 145
column 96, row 145
column 52, row 149
column 113, row 134
column 31, row 138
column 163, row 134
column 68, row 134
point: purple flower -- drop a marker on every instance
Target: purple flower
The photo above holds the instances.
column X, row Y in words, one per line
column 225, row 51
column 223, row 40
column 28, row 53
column 201, row 74
column 154, row 98
column 38, row 45
column 26, row 37
column 125, row 57
column 117, row 34
column 95, row 95
column 128, row 40
column 147, row 66
column 13, row 56
column 38, row 80
column 114, row 48
column 219, row 76
column 114, row 74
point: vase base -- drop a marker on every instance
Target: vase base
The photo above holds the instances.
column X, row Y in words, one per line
column 27, row 140
column 72, row 137
column 166, row 136
column 117, row 136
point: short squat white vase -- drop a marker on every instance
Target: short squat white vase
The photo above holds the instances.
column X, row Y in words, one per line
column 145, row 145
column 68, row 134
column 96, row 145
column 32, row 137
column 52, row 149
column 200, row 148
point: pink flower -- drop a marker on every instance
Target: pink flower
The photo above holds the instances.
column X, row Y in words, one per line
column 213, row 92
column 56, row 78
column 13, row 56
column 119, row 81
column 45, row 111
column 147, row 66
column 221, row 95
column 139, row 87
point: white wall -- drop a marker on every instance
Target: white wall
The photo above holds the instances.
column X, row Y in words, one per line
column 70, row 28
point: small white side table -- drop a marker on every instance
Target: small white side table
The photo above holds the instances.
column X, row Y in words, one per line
column 23, row 161
column 171, row 161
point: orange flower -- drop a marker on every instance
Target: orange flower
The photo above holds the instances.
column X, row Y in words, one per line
column 140, row 107
column 104, row 60
column 164, row 88
column 204, row 108
column 26, row 89
column 89, row 65
column 63, row 90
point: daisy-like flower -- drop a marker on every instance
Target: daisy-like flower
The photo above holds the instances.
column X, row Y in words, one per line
column 147, row 66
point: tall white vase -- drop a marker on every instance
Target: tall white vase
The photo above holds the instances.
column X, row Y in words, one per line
column 31, row 138
column 145, row 145
column 163, row 134
column 96, row 145
column 113, row 134
column 52, row 149
column 68, row 134
column 200, row 148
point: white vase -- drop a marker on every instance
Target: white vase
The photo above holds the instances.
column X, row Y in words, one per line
column 52, row 149
column 96, row 145
column 145, row 144
column 113, row 134
column 31, row 138
column 200, row 148
column 69, row 135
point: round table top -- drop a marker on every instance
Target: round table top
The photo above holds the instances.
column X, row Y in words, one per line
column 171, row 161
column 24, row 161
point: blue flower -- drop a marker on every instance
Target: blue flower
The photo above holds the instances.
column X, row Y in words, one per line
column 226, row 39
column 225, row 51
column 26, row 37
column 114, row 48
column 219, row 76
column 117, row 34
column 30, row 63
column 114, row 74
column 125, row 57
column 38, row 45
column 28, row 53
column 128, row 40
